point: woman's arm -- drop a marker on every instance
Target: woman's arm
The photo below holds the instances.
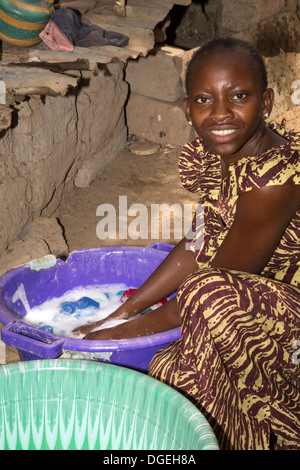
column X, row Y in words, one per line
column 164, row 281
column 261, row 218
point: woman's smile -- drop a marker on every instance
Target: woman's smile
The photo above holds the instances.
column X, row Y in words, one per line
column 223, row 134
column 223, row 131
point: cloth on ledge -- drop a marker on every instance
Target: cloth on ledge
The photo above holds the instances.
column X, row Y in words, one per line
column 80, row 32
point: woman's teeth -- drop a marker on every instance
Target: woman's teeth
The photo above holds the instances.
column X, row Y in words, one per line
column 223, row 132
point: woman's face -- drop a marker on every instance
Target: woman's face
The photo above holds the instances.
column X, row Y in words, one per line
column 226, row 104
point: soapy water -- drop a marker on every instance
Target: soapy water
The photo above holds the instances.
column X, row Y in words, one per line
column 78, row 307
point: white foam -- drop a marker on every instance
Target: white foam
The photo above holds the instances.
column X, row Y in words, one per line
column 49, row 313
column 20, row 294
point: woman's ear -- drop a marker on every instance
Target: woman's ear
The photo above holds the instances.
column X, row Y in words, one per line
column 268, row 101
column 186, row 107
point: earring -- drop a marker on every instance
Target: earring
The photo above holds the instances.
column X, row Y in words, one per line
column 190, row 123
column 266, row 115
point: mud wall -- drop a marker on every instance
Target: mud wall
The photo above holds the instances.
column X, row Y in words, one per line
column 55, row 142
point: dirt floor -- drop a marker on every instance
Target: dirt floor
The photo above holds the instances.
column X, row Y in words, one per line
column 142, row 179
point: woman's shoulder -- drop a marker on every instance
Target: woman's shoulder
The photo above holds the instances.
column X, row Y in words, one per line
column 278, row 165
column 199, row 169
column 193, row 151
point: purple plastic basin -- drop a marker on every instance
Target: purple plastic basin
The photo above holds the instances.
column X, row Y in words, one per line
column 93, row 266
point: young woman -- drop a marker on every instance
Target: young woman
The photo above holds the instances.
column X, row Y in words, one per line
column 238, row 292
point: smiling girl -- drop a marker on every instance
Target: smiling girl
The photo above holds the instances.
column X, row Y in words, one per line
column 238, row 294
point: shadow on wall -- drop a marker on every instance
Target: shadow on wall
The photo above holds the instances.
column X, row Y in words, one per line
column 269, row 31
column 190, row 26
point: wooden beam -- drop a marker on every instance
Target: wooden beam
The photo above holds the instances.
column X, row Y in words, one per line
column 85, row 58
column 29, row 81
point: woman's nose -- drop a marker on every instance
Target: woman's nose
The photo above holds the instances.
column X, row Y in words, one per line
column 221, row 110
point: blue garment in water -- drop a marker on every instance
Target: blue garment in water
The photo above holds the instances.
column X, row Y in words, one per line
column 79, row 306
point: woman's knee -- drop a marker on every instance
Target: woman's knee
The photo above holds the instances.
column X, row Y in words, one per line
column 202, row 281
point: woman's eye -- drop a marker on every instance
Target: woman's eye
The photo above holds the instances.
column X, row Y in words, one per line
column 239, row 96
column 203, row 99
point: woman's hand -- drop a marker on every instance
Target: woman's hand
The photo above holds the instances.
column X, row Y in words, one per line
column 85, row 329
column 120, row 313
column 161, row 319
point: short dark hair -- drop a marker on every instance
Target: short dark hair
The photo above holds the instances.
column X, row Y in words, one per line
column 229, row 43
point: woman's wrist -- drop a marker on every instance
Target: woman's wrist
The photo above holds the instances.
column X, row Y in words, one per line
column 163, row 318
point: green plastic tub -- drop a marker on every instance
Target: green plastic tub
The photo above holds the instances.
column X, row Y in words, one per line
column 72, row 404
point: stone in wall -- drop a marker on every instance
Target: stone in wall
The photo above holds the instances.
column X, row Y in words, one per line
column 158, row 121
column 238, row 15
column 292, row 117
column 278, row 40
column 156, row 75
column 197, row 24
column 202, row 21
column 279, row 33
column 155, row 106
column 284, row 78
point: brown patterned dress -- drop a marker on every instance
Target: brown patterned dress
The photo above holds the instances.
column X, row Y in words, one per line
column 238, row 358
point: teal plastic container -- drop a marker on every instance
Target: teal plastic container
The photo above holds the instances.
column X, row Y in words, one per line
column 22, row 21
column 84, row 405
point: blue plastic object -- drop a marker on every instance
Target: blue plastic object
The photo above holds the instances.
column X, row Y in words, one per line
column 79, row 305
column 93, row 266
column 46, row 328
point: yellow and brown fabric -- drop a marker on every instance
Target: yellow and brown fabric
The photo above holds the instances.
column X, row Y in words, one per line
column 237, row 357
